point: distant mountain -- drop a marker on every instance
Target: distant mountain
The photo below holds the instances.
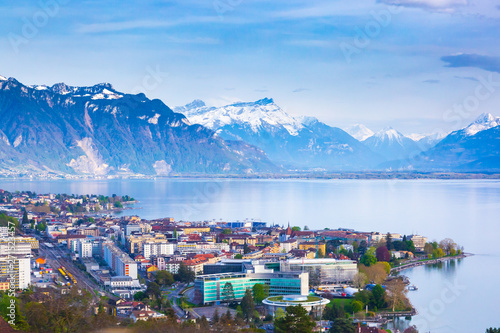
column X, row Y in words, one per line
column 99, row 131
column 473, row 148
column 392, row 145
column 359, row 132
column 295, row 143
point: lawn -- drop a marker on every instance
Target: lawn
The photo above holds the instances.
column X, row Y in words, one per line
column 280, row 298
column 346, row 303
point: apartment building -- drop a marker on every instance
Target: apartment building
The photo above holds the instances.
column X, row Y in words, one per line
column 119, row 261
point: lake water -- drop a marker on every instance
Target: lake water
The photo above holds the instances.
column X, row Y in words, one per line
column 466, row 210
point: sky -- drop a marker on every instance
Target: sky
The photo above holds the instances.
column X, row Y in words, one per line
column 420, row 66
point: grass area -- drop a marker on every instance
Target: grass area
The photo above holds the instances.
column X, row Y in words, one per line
column 345, row 303
column 280, row 298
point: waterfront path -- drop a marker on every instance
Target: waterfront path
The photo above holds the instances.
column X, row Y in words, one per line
column 427, row 262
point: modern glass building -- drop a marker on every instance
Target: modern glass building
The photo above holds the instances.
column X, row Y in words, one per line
column 210, row 288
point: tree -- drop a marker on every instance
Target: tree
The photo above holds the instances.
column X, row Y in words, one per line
column 438, row 253
column 295, row 228
column 246, row 248
column 357, row 306
column 363, row 246
column 333, row 312
column 139, row 296
column 260, row 292
column 397, row 294
column 368, row 259
column 447, row 244
column 359, row 280
column 377, row 299
column 386, row 266
column 185, row 274
column 383, row 254
column 248, row 305
column 320, row 253
column 279, row 314
column 296, row 320
column 164, row 278
column 25, row 217
column 343, row 325
column 215, row 317
column 306, row 227
column 228, row 292
column 388, row 241
column 428, row 248
column 238, row 256
column 226, row 231
column 375, row 273
column 153, row 290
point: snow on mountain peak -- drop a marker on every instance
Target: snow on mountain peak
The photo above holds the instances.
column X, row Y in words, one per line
column 389, row 134
column 259, row 114
column 359, row 132
column 483, row 122
column 3, row 78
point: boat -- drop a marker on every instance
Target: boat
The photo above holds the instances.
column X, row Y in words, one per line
column 412, row 288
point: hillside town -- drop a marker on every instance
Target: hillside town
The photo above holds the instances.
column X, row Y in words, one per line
column 195, row 271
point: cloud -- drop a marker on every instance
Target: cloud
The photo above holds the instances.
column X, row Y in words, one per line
column 298, row 90
column 469, row 78
column 487, row 63
column 431, row 81
column 427, row 4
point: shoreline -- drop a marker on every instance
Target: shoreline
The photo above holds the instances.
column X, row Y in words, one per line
column 427, row 262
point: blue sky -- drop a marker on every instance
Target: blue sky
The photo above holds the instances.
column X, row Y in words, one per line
column 415, row 65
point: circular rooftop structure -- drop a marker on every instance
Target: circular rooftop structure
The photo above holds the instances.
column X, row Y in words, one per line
column 308, row 302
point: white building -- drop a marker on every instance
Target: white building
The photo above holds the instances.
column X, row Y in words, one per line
column 157, row 249
column 21, row 269
column 119, row 261
column 288, row 245
column 85, row 248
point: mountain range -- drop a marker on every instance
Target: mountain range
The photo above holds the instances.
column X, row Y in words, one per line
column 99, row 131
column 292, row 143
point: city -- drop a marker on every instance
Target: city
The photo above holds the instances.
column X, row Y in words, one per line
column 195, row 271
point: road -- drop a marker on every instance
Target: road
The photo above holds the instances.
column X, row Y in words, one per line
column 172, row 297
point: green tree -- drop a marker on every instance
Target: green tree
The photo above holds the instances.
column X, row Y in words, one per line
column 260, row 292
column 185, row 274
column 238, row 256
column 296, row 320
column 139, row 296
column 248, row 305
column 357, row 306
column 153, row 289
column 368, row 259
column 164, row 278
column 343, row 325
column 279, row 314
column 333, row 312
column 377, row 299
column 226, row 231
column 295, row 228
column 320, row 253
column 228, row 292
column 388, row 242
column 25, row 217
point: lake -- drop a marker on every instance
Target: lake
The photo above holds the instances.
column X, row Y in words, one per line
column 467, row 211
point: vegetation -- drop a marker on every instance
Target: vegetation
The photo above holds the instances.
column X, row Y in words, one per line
column 343, row 325
column 296, row 319
column 260, row 292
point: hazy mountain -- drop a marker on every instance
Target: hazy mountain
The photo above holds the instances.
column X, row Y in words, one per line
column 359, row 132
column 392, row 145
column 100, row 131
column 304, row 143
column 473, row 148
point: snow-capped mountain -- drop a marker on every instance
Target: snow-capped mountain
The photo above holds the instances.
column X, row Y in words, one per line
column 263, row 114
column 484, row 122
column 99, row 131
column 359, row 131
column 294, row 142
column 427, row 141
column 392, row 145
column 473, row 148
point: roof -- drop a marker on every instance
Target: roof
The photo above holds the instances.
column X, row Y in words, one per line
column 6, row 328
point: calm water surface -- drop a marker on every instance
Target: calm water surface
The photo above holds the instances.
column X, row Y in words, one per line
column 458, row 297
